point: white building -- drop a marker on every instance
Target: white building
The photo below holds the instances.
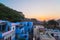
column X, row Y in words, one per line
column 37, row 29
column 55, row 33
column 46, row 36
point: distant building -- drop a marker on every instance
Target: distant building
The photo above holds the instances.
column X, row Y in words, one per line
column 35, row 21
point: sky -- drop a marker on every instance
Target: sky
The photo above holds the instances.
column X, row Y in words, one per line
column 39, row 9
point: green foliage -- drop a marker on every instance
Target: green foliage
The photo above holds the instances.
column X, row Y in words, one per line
column 7, row 13
column 52, row 24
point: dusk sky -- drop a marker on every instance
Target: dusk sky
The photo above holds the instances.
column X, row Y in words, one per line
column 39, row 9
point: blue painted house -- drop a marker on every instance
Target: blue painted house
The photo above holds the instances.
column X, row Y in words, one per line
column 21, row 34
column 23, row 29
column 6, row 32
column 15, row 31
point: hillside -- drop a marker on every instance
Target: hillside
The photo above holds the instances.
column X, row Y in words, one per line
column 10, row 14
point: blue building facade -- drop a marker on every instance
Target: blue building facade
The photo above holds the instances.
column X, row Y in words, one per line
column 23, row 29
column 15, row 31
column 6, row 32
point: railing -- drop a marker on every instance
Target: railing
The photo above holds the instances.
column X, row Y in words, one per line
column 8, row 34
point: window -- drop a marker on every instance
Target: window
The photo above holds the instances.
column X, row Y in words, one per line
column 8, row 28
column 19, row 26
column 2, row 27
column 13, row 28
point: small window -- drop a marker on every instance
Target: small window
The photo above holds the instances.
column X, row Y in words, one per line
column 19, row 26
column 13, row 28
column 3, row 26
column 27, row 24
column 8, row 28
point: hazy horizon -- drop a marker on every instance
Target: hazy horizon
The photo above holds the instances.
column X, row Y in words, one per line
column 39, row 9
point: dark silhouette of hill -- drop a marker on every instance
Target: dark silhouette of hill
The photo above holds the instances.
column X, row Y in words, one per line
column 10, row 14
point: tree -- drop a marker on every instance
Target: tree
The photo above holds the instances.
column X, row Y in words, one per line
column 45, row 24
column 9, row 14
column 52, row 24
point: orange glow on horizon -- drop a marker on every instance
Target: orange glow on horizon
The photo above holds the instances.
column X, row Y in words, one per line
column 46, row 17
column 42, row 18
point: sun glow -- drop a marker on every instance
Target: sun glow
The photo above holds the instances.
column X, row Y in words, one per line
column 42, row 18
